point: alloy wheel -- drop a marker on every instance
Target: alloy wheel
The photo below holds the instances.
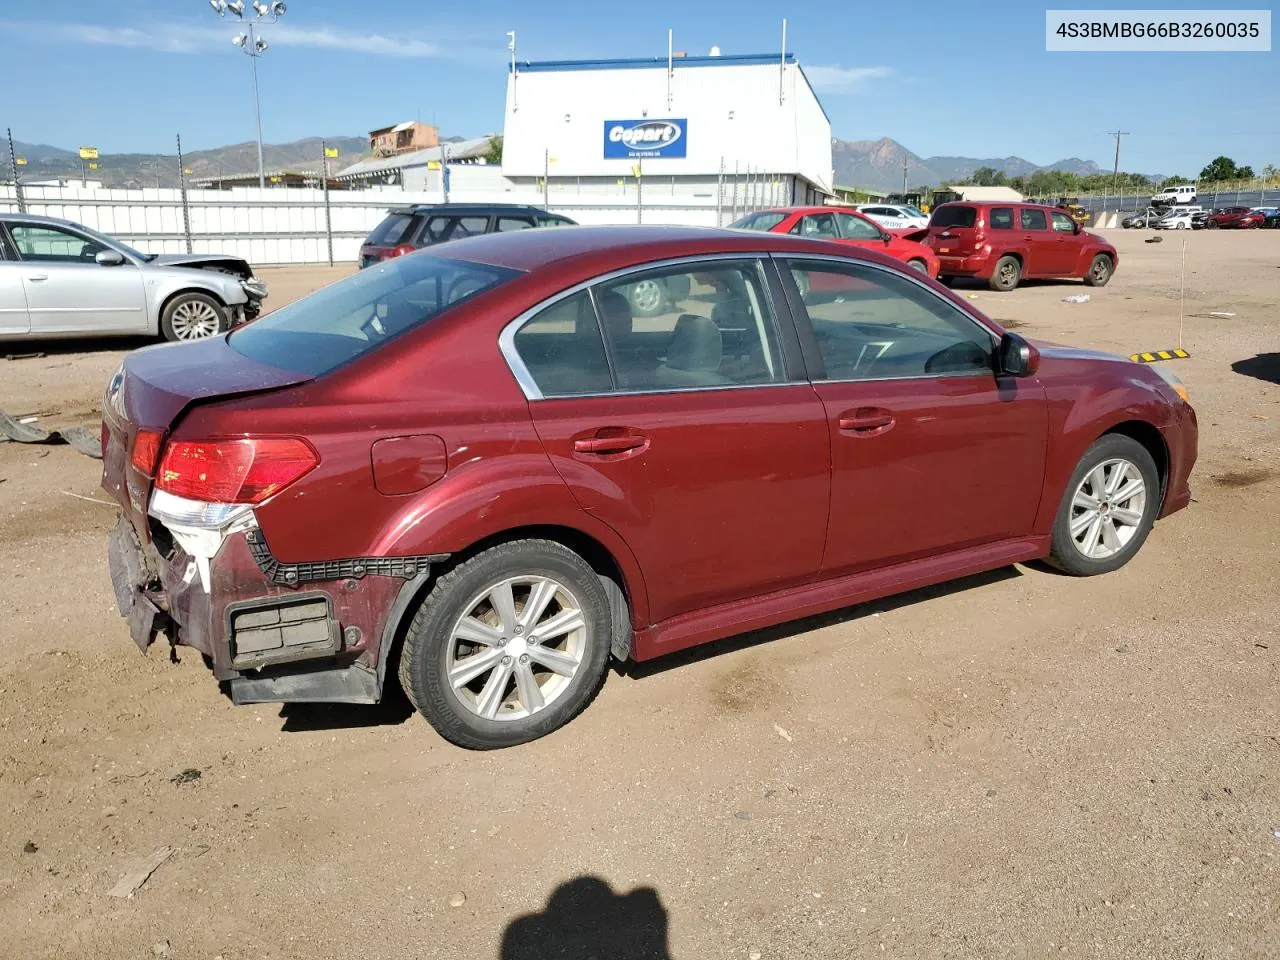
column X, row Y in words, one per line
column 517, row 648
column 1107, row 509
column 194, row 320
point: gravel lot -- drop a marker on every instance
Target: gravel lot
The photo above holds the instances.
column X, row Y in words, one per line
column 1018, row 765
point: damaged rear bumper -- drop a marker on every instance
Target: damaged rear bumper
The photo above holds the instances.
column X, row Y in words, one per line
column 270, row 632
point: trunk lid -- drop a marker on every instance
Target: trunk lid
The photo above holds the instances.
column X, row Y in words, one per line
column 152, row 389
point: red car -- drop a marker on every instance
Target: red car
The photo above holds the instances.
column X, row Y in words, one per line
column 843, row 226
column 478, row 475
column 1239, row 218
column 1005, row 243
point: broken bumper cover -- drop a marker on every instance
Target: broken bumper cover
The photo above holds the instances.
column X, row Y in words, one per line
column 266, row 639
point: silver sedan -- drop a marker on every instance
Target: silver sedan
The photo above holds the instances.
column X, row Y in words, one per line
column 61, row 279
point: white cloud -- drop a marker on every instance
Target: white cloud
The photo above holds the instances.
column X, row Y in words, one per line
column 844, row 79
column 179, row 38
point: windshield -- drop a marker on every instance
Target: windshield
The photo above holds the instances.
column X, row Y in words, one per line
column 116, row 244
column 759, row 221
column 957, row 215
column 340, row 322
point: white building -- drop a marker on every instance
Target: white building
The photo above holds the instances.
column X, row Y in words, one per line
column 688, row 123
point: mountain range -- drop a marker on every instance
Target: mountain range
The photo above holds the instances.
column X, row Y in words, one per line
column 154, row 169
column 876, row 164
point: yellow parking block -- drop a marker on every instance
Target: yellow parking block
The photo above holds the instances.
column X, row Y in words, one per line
column 1177, row 353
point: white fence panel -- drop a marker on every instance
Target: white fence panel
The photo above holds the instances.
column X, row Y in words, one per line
column 287, row 225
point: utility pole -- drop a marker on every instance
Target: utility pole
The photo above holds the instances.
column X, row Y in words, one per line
column 1115, row 171
column 904, row 177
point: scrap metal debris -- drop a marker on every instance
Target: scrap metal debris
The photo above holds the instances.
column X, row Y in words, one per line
column 136, row 877
column 22, row 431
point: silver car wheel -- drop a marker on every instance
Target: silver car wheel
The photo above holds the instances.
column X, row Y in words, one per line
column 194, row 320
column 517, row 648
column 1107, row 509
column 648, row 296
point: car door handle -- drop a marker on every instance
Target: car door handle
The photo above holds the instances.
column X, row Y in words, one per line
column 37, row 277
column 607, row 445
column 866, row 421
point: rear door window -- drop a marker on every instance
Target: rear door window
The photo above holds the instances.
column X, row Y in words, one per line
column 959, row 215
column 1033, row 219
column 1002, row 218
column 506, row 224
column 393, row 230
column 554, row 221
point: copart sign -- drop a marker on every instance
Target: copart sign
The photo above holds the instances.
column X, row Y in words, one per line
column 645, row 138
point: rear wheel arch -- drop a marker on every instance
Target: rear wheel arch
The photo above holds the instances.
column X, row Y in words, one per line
column 625, row 593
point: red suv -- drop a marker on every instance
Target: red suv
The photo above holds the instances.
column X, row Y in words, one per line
column 477, row 472
column 1005, row 243
column 1239, row 218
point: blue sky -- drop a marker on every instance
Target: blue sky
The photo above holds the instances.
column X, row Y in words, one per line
column 940, row 78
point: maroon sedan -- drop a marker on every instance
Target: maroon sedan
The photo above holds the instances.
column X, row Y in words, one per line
column 1238, row 218
column 476, row 472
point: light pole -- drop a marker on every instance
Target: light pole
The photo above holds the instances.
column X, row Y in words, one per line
column 254, row 46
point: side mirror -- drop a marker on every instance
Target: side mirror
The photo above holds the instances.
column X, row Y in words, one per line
column 109, row 258
column 1075, row 228
column 886, row 236
column 1015, row 357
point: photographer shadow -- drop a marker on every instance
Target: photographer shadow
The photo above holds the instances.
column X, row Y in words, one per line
column 586, row 920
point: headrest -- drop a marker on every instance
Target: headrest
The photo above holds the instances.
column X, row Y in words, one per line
column 695, row 345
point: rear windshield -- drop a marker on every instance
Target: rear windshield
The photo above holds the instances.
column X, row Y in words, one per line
column 954, row 216
column 340, row 322
column 391, row 230
column 759, row 221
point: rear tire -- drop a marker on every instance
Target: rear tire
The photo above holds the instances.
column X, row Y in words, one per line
column 1115, row 484
column 1099, row 271
column 918, row 264
column 545, row 682
column 1007, row 274
column 193, row 316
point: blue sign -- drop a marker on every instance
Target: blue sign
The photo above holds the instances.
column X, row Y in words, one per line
column 645, row 138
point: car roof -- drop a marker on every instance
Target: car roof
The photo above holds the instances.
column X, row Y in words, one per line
column 602, row 249
column 467, row 207
column 13, row 215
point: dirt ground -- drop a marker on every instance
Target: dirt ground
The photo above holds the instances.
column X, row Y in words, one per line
column 1018, row 765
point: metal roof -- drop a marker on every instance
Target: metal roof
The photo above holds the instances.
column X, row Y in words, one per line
column 637, row 63
column 464, row 150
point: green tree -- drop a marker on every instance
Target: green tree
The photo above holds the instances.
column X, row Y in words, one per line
column 1220, row 168
column 494, row 154
column 1173, row 181
column 1245, row 173
column 988, row 177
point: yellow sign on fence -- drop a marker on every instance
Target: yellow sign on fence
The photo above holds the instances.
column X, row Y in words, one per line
column 93, row 166
column 88, row 153
column 331, row 152
column 21, row 161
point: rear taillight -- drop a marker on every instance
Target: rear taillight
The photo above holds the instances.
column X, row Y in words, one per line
column 401, row 250
column 234, row 471
column 146, row 451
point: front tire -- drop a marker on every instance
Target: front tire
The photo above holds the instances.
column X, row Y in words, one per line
column 193, row 316
column 1007, row 274
column 1108, row 508
column 508, row 645
column 1099, row 271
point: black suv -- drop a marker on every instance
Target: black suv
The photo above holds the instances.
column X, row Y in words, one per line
column 408, row 228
